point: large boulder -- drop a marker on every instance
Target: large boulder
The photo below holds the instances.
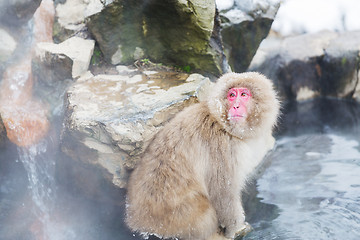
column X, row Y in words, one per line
column 111, row 118
column 173, row 32
column 244, row 26
column 311, row 65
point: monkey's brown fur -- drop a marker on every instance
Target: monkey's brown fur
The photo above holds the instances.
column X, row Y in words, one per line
column 189, row 180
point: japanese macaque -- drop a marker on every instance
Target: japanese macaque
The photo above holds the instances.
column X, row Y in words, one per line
column 188, row 182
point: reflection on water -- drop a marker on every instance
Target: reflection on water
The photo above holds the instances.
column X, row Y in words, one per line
column 313, row 176
column 314, row 182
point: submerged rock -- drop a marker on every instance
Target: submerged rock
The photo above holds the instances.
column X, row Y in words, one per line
column 111, row 118
column 311, row 65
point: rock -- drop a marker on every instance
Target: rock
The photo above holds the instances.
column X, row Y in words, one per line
column 55, row 66
column 244, row 27
column 340, row 65
column 17, row 12
column 77, row 49
column 129, row 30
column 311, row 65
column 187, row 37
column 118, row 30
column 7, row 45
column 111, row 118
column 24, row 117
column 71, row 14
column 53, row 76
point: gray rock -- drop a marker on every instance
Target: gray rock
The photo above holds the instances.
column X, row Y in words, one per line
column 55, row 65
column 243, row 28
column 72, row 13
column 111, row 118
column 71, row 16
column 77, row 49
column 118, row 30
column 340, row 65
column 173, row 32
column 311, row 65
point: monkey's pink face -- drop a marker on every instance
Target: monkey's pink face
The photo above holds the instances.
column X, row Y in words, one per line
column 238, row 99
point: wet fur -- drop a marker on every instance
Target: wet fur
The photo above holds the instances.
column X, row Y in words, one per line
column 189, row 180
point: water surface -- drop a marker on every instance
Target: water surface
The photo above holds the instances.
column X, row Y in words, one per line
column 309, row 187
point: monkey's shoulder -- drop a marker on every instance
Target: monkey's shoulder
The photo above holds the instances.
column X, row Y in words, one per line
column 195, row 121
column 193, row 126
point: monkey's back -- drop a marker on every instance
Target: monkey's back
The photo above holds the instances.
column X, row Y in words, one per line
column 166, row 191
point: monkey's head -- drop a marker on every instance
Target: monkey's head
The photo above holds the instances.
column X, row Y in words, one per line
column 245, row 104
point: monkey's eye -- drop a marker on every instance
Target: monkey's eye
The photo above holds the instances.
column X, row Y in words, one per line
column 231, row 95
column 245, row 93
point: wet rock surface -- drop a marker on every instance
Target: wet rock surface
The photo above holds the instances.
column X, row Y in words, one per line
column 312, row 65
column 111, row 118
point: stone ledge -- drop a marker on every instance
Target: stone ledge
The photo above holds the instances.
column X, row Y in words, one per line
column 111, row 118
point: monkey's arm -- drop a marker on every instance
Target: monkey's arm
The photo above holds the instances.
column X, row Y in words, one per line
column 226, row 199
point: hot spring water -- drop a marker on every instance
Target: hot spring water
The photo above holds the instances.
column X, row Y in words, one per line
column 307, row 188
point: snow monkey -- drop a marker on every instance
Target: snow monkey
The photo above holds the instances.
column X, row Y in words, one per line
column 188, row 183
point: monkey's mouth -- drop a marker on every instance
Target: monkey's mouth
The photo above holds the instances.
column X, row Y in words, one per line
column 236, row 117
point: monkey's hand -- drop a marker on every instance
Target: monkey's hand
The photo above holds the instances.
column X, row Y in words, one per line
column 245, row 229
